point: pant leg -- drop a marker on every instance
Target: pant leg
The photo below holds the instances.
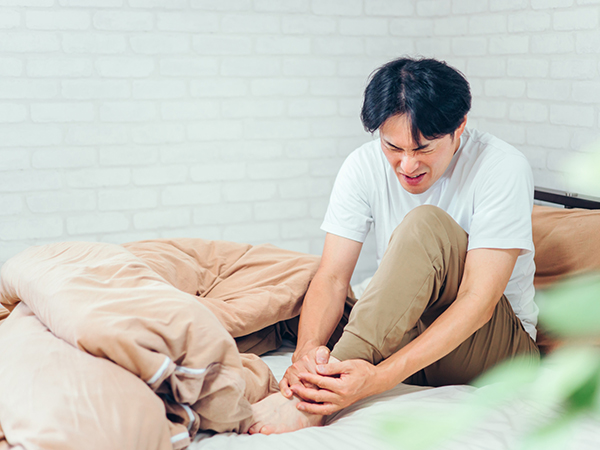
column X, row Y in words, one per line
column 417, row 280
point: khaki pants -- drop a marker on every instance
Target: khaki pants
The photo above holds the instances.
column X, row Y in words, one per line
column 417, row 280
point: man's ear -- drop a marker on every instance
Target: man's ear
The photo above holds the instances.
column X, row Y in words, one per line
column 459, row 131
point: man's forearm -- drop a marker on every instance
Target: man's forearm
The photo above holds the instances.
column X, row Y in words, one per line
column 321, row 312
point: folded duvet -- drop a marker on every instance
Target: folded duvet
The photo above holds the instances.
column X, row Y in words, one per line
column 131, row 347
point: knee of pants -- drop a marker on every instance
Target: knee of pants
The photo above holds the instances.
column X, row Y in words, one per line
column 422, row 217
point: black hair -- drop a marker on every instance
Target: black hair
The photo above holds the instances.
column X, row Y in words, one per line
column 435, row 97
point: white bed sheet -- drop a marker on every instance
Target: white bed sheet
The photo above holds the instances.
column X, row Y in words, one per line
column 359, row 426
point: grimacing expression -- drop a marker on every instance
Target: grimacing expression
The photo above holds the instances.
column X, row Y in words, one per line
column 417, row 167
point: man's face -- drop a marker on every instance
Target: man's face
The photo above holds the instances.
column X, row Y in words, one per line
column 416, row 166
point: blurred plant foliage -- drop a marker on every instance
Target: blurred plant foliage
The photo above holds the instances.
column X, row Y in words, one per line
column 564, row 386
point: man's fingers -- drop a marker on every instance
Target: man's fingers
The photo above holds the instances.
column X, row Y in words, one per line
column 284, row 387
column 314, row 395
column 322, row 382
column 322, row 356
column 321, row 409
column 332, row 368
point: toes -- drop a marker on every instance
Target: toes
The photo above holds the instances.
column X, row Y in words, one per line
column 255, row 428
column 267, row 430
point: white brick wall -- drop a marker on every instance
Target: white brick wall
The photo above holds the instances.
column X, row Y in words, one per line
column 138, row 119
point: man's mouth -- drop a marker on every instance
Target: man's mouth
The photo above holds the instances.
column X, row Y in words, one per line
column 413, row 180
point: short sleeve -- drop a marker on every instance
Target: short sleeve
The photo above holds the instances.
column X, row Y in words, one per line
column 349, row 212
column 503, row 201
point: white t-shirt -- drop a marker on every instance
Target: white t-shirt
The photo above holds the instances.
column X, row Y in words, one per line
column 487, row 189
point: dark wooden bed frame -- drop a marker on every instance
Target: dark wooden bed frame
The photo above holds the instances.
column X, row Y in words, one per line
column 568, row 200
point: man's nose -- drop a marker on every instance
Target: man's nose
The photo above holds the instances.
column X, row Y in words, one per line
column 409, row 164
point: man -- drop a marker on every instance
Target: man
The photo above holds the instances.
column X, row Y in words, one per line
column 453, row 294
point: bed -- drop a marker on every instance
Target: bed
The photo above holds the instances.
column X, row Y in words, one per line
column 278, row 279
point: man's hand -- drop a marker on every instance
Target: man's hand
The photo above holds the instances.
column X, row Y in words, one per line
column 308, row 364
column 339, row 384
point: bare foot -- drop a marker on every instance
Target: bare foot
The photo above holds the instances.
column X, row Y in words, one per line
column 276, row 414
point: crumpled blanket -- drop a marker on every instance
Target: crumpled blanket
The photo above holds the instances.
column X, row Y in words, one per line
column 131, row 347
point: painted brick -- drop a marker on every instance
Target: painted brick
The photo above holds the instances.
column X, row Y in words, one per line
column 489, row 24
column 505, row 88
column 62, row 112
column 250, row 67
column 290, row 6
column 304, row 188
column 307, row 67
column 249, row 191
column 308, row 25
column 389, row 8
column 339, row 87
column 9, row 19
column 35, row 228
column 124, row 67
column 433, row 8
column 222, row 45
column 36, row 3
column 573, row 69
column 95, row 89
column 92, row 3
column 312, row 108
column 509, row 45
column 286, row 45
column 96, row 134
column 194, row 67
column 57, row 20
column 160, row 44
column 29, row 89
column 97, row 223
column 12, row 113
column 205, row 232
column 186, row 110
column 252, row 233
column 311, row 148
column 59, row 67
column 256, row 150
column 190, row 194
column 486, row 67
column 548, row 89
column 585, row 140
column 277, row 170
column 550, row 4
column 553, row 43
column 469, row 46
column 159, row 89
column 508, row 5
column 123, row 21
column 10, row 205
column 450, row 26
column 298, row 229
column 529, row 21
column 559, row 160
column 514, row 134
column 192, row 152
column 29, row 135
column 535, row 156
column 325, row 167
column 573, row 115
column 161, row 4
column 280, row 210
column 337, row 7
column 364, row 27
column 98, row 178
column 580, row 19
column 15, row 159
column 586, row 91
column 352, row 67
column 433, row 46
column 469, row 6
column 338, row 46
column 279, row 87
column 190, row 22
column 161, row 133
column 318, row 209
column 389, row 46
column 215, row 130
column 94, row 43
column 218, row 172
column 477, row 88
column 252, row 108
column 528, row 112
column 10, row 67
column 128, row 111
column 151, row 176
column 246, row 24
column 412, row 27
column 64, row 158
column 121, row 238
column 128, row 155
column 588, row 42
column 489, row 109
column 27, row 181
column 272, row 128
column 222, row 214
column 218, row 87
column 547, row 136
column 527, row 68
column 337, row 127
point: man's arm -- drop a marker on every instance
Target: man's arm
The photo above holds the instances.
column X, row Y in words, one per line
column 485, row 277
column 323, row 304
